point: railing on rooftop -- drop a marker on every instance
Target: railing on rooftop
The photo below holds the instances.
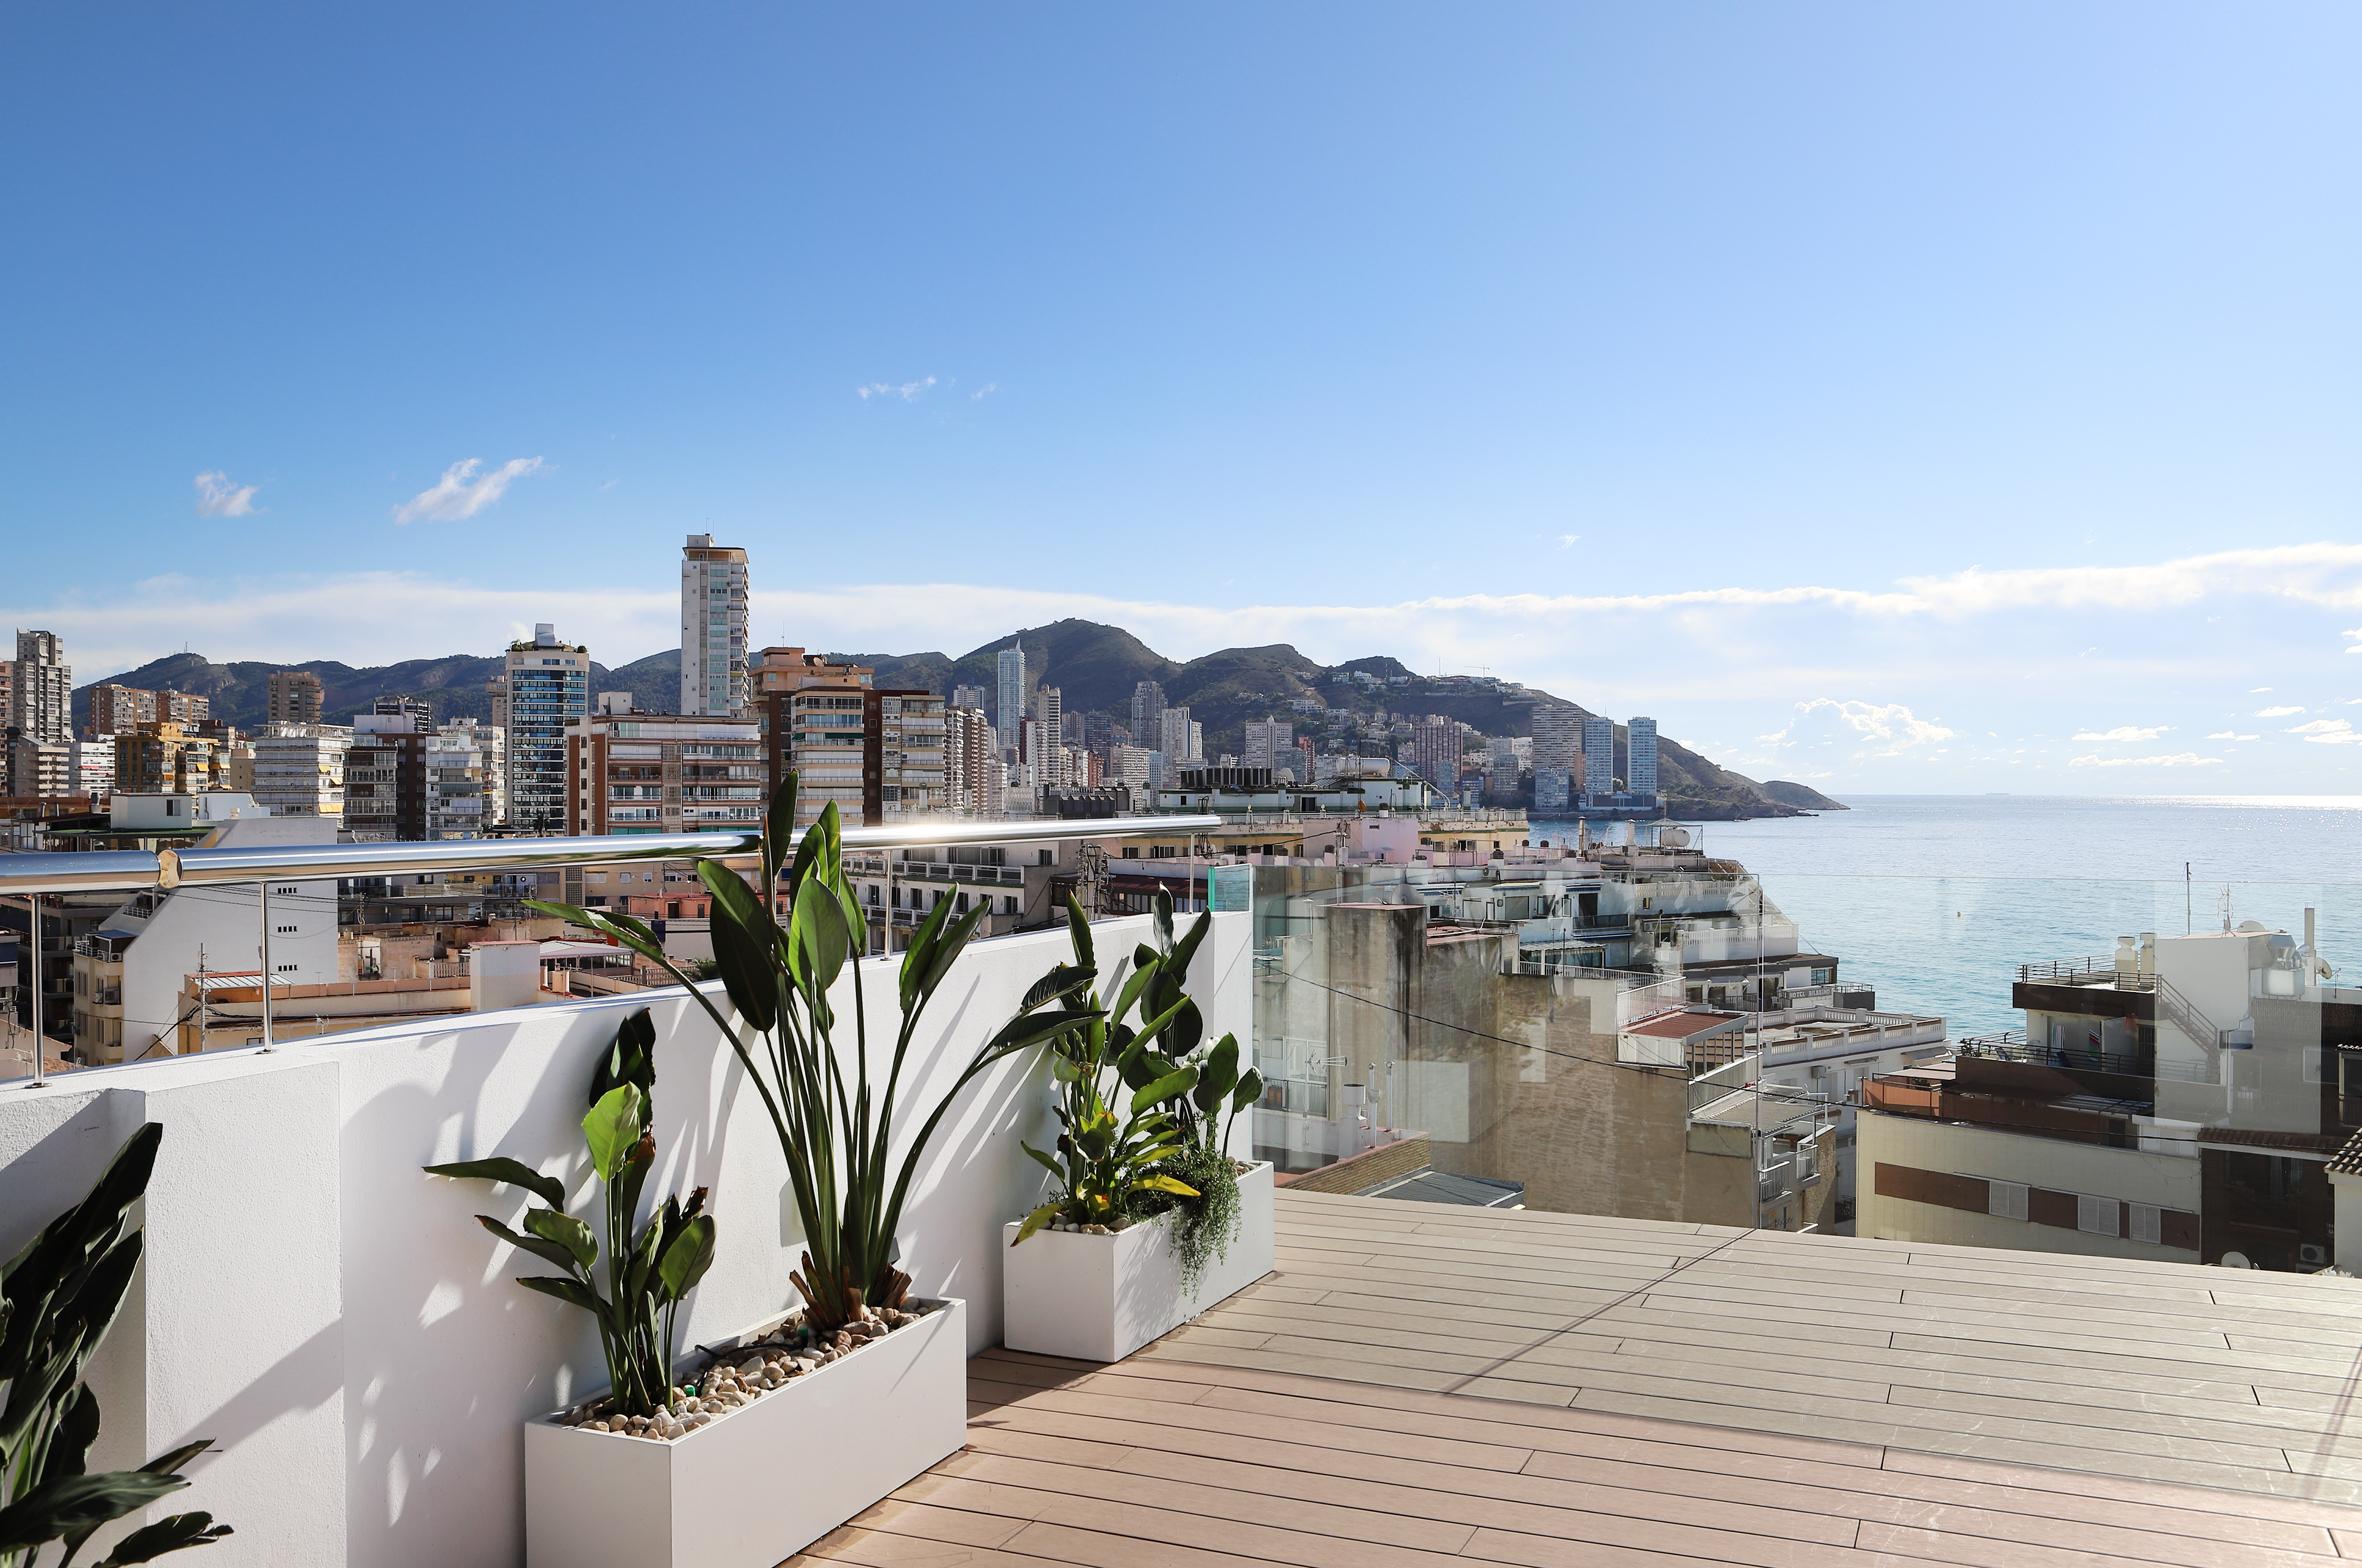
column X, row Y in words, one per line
column 2086, row 971
column 150, row 876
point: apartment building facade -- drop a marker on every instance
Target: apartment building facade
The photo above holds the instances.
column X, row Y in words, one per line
column 715, row 671
column 664, row 773
column 295, row 697
column 299, row 771
column 543, row 690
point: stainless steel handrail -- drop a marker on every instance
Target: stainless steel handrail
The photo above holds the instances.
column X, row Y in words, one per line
column 139, row 870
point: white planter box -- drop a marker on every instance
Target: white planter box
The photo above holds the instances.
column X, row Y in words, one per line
column 755, row 1487
column 1099, row 1298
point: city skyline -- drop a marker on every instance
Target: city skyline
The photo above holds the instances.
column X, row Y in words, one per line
column 1520, row 345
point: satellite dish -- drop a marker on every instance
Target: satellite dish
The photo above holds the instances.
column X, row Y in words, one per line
column 2235, row 1260
column 2252, row 927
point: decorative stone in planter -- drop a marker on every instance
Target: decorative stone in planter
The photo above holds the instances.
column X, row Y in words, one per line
column 759, row 1482
column 1101, row 1297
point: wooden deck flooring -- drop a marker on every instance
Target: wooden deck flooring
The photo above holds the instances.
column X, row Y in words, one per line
column 1417, row 1384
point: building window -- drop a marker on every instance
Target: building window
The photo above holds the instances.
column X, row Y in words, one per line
column 2099, row 1216
column 2005, row 1200
column 2148, row 1224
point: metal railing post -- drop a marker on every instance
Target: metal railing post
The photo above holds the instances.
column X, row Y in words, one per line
column 268, row 1043
column 33, row 907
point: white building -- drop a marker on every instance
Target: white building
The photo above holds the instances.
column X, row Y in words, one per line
column 299, row 770
column 1640, row 758
column 129, row 974
column 713, row 629
column 1271, row 743
column 466, row 780
column 1011, row 714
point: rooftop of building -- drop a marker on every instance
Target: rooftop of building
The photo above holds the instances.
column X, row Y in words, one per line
column 1422, row 1384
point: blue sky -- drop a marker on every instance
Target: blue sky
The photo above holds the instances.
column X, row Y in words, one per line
column 1884, row 395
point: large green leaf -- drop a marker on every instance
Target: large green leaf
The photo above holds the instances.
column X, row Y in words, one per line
column 541, row 1247
column 567, row 1232
column 1035, row 1221
column 685, row 1261
column 1217, row 1075
column 73, row 1506
column 631, row 1059
column 174, row 1532
column 1060, row 984
column 1171, row 1086
column 501, row 1168
column 1078, row 931
column 611, row 1128
column 779, row 832
column 1250, row 1089
column 571, row 1291
column 742, row 930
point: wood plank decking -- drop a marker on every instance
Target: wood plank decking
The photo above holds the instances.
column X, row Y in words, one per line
column 1420, row 1384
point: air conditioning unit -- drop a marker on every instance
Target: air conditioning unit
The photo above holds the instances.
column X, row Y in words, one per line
column 2313, row 1255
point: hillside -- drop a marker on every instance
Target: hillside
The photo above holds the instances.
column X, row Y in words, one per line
column 1094, row 666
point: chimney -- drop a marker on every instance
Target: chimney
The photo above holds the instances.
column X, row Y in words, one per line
column 503, row 974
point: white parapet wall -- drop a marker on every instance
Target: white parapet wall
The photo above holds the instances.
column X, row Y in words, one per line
column 336, row 1321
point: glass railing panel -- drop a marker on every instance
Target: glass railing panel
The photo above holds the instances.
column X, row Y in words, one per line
column 2145, row 1068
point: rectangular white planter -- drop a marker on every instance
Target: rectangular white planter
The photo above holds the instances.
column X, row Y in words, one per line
column 755, row 1487
column 1099, row 1298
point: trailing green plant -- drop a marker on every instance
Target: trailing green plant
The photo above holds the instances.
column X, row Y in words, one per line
column 647, row 1273
column 1183, row 1097
column 58, row 1298
column 836, row 1127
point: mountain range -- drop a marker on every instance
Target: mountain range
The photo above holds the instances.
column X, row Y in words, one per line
column 1095, row 666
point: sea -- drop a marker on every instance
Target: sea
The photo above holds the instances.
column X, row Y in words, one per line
column 1935, row 899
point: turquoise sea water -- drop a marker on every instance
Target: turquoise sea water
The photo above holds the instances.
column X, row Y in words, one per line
column 1936, row 899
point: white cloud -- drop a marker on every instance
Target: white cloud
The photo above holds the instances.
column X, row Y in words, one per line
column 217, row 497
column 2283, row 711
column 464, row 490
column 984, row 391
column 2259, row 691
column 2125, row 732
column 2177, row 759
column 2329, row 732
column 1872, row 729
column 2232, row 735
column 2353, row 639
column 908, row 391
column 1569, row 541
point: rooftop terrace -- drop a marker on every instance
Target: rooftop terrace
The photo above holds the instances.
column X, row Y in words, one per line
column 1418, row 1385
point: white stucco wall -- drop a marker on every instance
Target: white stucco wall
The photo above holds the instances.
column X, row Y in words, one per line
column 334, row 1317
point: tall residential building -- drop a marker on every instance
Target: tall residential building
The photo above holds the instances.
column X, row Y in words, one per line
column 299, row 770
column 1640, row 758
column 385, row 773
column 1010, row 714
column 968, row 697
column 41, row 689
column 1599, row 759
column 1271, row 743
column 545, row 687
column 714, row 674
column 664, row 773
column 1148, row 712
column 1435, row 750
column 466, row 780
column 905, row 734
column 1179, row 737
column 816, row 717
column 1557, row 759
column 973, row 771
column 1048, row 709
column 294, row 697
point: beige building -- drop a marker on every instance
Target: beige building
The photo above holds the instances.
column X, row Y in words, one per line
column 295, row 697
column 664, row 773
